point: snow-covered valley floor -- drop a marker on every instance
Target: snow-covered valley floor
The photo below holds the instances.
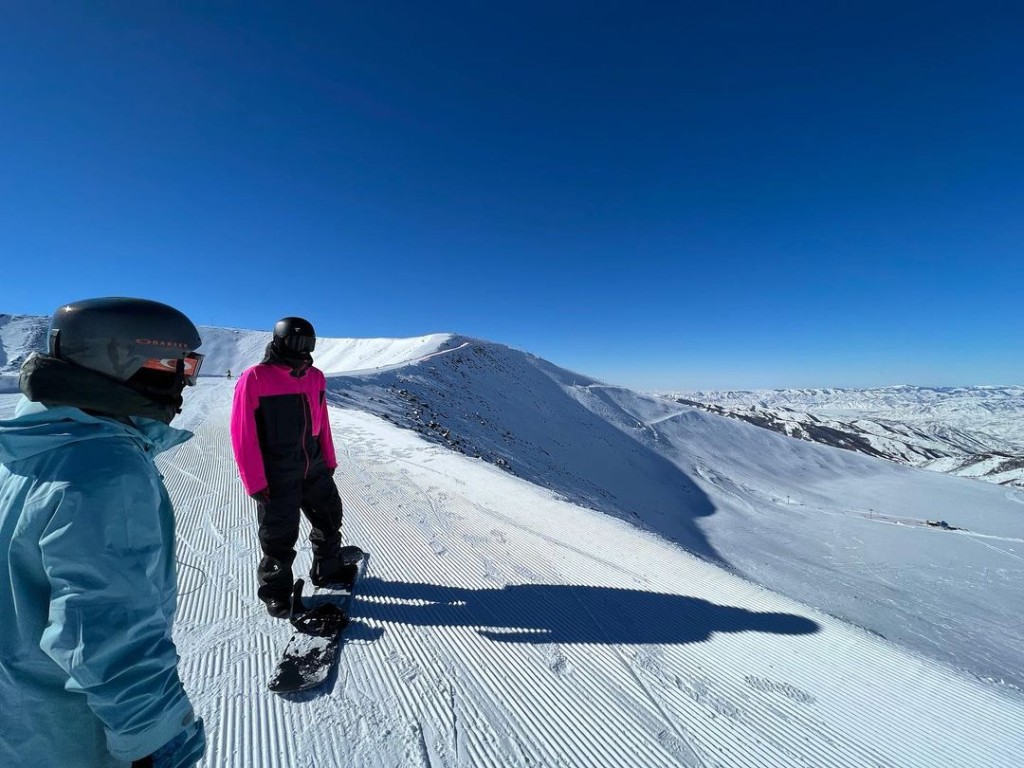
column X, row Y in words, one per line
column 500, row 626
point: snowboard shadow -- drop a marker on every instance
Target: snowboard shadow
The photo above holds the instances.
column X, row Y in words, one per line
column 557, row 613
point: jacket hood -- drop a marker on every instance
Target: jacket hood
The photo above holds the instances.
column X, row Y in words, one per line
column 37, row 428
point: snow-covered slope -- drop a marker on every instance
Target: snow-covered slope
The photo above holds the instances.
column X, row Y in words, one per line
column 842, row 532
column 973, row 432
column 533, row 597
column 19, row 336
column 500, row 626
column 231, row 349
column 522, row 414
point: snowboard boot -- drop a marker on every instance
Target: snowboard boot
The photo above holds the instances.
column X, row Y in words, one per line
column 340, row 568
column 278, row 608
column 275, row 590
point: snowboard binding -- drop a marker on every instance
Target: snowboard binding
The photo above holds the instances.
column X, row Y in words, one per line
column 340, row 570
column 324, row 620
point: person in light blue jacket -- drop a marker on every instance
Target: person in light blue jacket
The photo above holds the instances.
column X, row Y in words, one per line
column 88, row 669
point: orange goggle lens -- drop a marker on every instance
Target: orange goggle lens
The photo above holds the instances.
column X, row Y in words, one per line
column 189, row 365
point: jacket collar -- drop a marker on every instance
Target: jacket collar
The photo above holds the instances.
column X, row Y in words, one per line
column 37, row 428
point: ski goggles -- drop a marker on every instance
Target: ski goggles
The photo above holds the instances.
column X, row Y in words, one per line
column 299, row 343
column 187, row 367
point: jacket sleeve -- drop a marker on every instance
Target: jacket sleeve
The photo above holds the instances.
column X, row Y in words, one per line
column 326, row 439
column 244, row 439
column 109, row 559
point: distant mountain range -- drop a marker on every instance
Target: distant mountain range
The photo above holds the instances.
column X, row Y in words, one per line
column 975, row 432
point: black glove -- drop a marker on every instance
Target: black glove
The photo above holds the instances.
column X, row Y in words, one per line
column 332, row 470
column 263, row 496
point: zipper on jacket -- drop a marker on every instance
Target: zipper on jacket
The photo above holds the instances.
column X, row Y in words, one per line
column 306, row 418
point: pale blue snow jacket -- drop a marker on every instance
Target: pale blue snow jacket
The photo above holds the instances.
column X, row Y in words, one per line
column 88, row 670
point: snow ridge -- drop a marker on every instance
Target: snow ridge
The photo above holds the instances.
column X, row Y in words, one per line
column 233, row 349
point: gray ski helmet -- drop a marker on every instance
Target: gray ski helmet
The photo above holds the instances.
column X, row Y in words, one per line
column 294, row 334
column 117, row 336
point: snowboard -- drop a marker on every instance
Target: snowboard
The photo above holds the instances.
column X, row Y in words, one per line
column 311, row 651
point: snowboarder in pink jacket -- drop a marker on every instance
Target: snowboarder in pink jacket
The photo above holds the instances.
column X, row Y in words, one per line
column 281, row 436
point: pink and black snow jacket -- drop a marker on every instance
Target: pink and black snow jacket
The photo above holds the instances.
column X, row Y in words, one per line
column 279, row 426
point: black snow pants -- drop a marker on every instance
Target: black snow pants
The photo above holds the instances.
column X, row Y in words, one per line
column 317, row 497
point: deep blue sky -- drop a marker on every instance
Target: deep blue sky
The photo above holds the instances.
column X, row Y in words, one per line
column 660, row 194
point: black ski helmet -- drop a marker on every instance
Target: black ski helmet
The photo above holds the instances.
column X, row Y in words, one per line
column 294, row 334
column 119, row 336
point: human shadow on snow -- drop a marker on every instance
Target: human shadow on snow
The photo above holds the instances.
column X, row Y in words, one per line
column 561, row 613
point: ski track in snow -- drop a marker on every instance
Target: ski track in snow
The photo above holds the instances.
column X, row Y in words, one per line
column 499, row 626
